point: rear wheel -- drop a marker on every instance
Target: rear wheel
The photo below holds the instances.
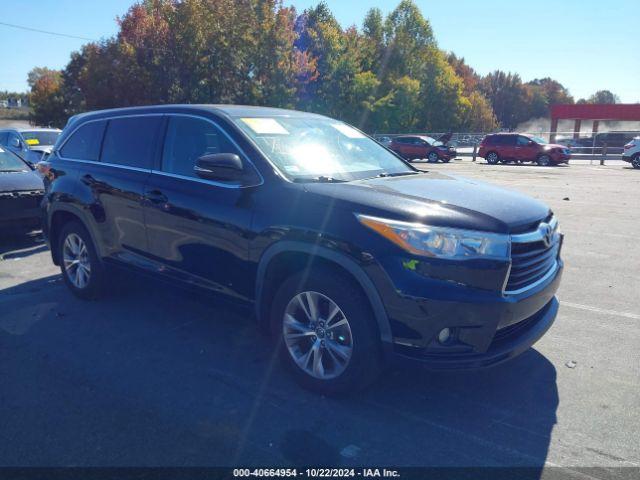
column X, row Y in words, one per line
column 81, row 269
column 323, row 326
column 492, row 158
column 635, row 161
column 544, row 160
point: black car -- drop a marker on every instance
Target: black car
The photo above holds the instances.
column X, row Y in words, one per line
column 21, row 191
column 348, row 254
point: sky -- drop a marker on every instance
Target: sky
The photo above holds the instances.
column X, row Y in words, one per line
column 586, row 45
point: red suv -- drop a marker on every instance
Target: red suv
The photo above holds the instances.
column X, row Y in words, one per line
column 514, row 147
column 414, row 147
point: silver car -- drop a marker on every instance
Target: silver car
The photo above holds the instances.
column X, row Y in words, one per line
column 30, row 144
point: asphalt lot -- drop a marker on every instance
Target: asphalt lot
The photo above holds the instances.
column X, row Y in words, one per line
column 153, row 377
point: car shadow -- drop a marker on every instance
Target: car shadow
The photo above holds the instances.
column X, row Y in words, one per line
column 23, row 245
column 151, row 375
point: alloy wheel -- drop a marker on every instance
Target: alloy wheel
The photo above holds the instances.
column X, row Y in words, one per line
column 317, row 335
column 636, row 161
column 492, row 158
column 433, row 157
column 77, row 265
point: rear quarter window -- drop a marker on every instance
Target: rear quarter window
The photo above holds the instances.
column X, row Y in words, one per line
column 84, row 143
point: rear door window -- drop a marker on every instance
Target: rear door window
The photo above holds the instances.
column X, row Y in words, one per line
column 131, row 141
column 85, row 143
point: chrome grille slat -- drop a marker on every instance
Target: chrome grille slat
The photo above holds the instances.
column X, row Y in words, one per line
column 531, row 258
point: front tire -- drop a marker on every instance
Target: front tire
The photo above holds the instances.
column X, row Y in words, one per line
column 82, row 270
column 433, row 157
column 635, row 161
column 325, row 332
column 492, row 158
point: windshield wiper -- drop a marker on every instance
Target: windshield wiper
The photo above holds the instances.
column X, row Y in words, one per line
column 318, row 179
column 395, row 174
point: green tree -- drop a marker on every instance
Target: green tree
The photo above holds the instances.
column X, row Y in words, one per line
column 478, row 115
column 602, row 96
column 46, row 99
column 507, row 95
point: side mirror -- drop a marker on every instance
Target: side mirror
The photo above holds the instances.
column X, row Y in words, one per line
column 531, row 142
column 15, row 143
column 219, row 166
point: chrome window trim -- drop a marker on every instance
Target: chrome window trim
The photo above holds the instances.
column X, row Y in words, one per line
column 116, row 165
column 534, row 235
column 200, row 180
column 57, row 150
column 552, row 271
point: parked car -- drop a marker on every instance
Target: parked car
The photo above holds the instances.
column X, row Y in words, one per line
column 385, row 141
column 412, row 147
column 615, row 142
column 348, row 254
column 21, row 190
column 30, row 144
column 631, row 152
column 514, row 147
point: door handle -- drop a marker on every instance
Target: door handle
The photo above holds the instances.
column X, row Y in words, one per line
column 156, row 196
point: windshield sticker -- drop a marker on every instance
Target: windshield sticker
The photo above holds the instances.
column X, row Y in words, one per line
column 347, row 131
column 265, row 126
column 32, row 141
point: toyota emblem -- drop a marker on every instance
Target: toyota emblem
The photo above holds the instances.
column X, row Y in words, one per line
column 547, row 234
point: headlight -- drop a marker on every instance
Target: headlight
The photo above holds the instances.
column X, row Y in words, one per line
column 440, row 242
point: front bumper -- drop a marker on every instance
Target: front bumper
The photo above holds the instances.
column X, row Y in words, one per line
column 488, row 327
column 626, row 158
column 560, row 157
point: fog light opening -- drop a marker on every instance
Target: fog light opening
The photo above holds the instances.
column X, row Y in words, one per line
column 445, row 336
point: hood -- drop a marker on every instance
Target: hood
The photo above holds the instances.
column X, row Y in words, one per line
column 551, row 146
column 41, row 148
column 446, row 138
column 20, row 181
column 438, row 199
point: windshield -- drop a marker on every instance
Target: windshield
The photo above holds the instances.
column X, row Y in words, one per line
column 310, row 148
column 11, row 163
column 36, row 138
column 432, row 141
column 539, row 140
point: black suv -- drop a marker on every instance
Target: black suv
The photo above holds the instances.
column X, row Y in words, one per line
column 348, row 253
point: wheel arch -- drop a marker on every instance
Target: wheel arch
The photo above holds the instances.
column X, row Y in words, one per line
column 287, row 257
column 60, row 217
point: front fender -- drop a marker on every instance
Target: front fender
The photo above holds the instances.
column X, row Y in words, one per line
column 319, row 251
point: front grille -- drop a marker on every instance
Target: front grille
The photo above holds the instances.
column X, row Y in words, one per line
column 532, row 257
column 22, row 204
